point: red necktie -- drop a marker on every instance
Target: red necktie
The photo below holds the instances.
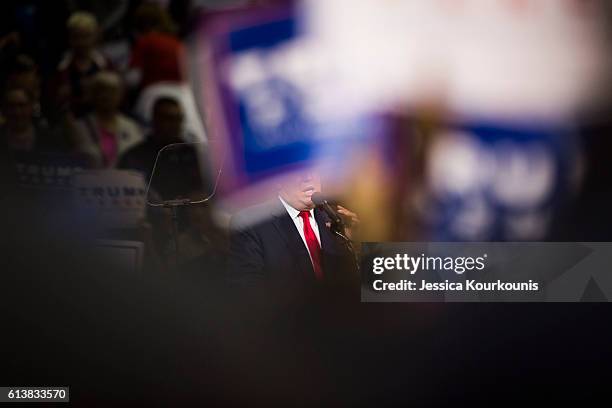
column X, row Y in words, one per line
column 313, row 245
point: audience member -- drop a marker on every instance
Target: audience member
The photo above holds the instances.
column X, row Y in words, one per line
column 21, row 131
column 23, row 73
column 166, row 129
column 106, row 134
column 79, row 64
column 157, row 53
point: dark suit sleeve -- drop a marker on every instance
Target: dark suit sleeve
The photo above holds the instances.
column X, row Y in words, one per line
column 246, row 258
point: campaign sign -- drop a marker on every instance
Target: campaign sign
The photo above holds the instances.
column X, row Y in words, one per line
column 272, row 98
column 110, row 198
column 48, row 170
column 503, row 59
column 490, row 181
column 266, row 126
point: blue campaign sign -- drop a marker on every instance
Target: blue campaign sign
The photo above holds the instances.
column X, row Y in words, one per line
column 262, row 106
column 48, row 171
column 492, row 181
column 277, row 101
column 265, row 35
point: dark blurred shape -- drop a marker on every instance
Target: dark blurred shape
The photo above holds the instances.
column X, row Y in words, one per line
column 588, row 216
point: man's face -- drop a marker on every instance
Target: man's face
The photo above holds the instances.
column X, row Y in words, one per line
column 167, row 122
column 298, row 191
column 18, row 109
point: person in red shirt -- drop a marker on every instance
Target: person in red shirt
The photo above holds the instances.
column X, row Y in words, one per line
column 157, row 53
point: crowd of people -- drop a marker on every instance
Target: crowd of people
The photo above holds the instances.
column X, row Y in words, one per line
column 78, row 96
column 86, row 91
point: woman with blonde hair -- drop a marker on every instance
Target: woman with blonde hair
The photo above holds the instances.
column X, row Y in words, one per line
column 79, row 64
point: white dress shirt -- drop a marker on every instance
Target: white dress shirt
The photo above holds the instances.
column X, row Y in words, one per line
column 299, row 223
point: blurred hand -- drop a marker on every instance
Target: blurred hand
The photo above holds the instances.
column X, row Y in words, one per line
column 351, row 220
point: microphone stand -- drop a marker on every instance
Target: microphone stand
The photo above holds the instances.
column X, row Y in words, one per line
column 174, row 205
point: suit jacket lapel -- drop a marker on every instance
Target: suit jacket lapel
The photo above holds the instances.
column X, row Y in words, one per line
column 324, row 232
column 290, row 235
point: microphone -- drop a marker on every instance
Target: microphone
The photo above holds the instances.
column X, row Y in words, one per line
column 321, row 201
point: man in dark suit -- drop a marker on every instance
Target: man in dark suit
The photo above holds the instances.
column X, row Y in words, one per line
column 287, row 242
